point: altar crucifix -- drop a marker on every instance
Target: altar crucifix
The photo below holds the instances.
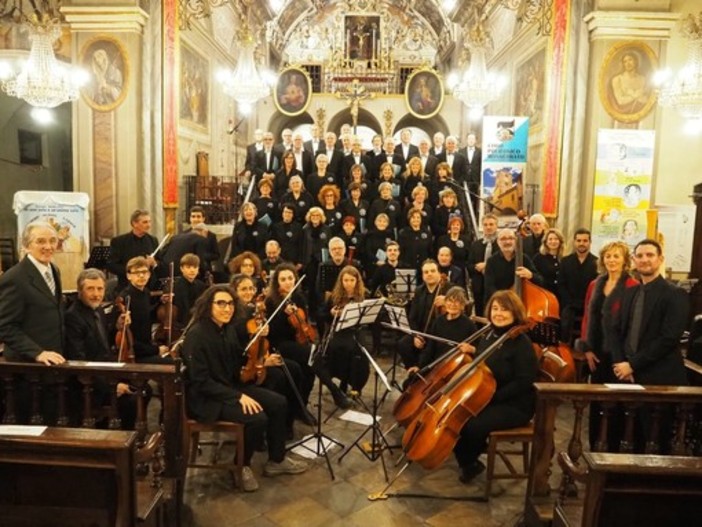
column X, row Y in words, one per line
column 354, row 94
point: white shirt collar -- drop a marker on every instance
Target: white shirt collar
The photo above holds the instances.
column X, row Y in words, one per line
column 40, row 266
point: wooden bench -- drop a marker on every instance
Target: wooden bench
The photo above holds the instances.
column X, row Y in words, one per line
column 38, row 377
column 552, row 397
column 631, row 489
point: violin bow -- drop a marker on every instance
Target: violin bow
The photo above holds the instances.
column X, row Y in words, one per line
column 275, row 312
column 171, row 279
column 125, row 328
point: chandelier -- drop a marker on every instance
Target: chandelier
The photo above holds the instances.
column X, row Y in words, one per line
column 246, row 85
column 477, row 87
column 684, row 91
column 43, row 81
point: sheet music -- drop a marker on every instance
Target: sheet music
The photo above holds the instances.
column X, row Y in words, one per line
column 21, row 430
column 359, row 313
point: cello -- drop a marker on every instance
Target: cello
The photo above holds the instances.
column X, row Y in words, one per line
column 431, row 437
column 555, row 358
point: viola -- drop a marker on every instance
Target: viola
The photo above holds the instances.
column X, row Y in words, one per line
column 258, row 352
column 167, row 330
column 430, row 379
column 431, row 436
column 124, row 340
column 305, row 334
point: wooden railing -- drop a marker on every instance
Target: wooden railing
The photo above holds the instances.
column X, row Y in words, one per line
column 687, row 401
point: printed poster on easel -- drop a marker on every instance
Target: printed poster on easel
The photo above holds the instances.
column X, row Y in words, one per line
column 622, row 194
column 504, row 161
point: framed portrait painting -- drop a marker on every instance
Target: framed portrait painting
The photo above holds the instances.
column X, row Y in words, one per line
column 530, row 88
column 424, row 93
column 293, row 91
column 625, row 87
column 194, row 101
column 107, row 64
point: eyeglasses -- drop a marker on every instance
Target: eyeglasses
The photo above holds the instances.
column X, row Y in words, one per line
column 223, row 303
column 140, row 273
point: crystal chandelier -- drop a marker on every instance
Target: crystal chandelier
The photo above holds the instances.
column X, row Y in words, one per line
column 245, row 84
column 43, row 81
column 477, row 87
column 684, row 91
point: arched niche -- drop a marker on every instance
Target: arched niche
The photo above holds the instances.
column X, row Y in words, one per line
column 365, row 118
column 430, row 126
column 279, row 121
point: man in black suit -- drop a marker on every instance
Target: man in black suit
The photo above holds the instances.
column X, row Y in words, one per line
column 532, row 243
column 377, row 149
column 429, row 162
column 197, row 216
column 31, row 316
column 286, row 141
column 500, row 269
column 473, row 162
column 193, row 241
column 304, row 161
column 388, row 156
column 267, row 161
column 480, row 251
column 31, row 308
column 334, row 156
column 653, row 317
column 406, row 149
column 316, row 143
column 251, row 150
column 89, row 337
column 645, row 348
column 455, row 159
column 356, row 157
column 137, row 242
column 578, row 269
column 438, row 146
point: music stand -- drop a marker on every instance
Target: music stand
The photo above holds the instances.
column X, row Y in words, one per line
column 405, row 282
column 356, row 315
column 398, row 319
column 99, row 257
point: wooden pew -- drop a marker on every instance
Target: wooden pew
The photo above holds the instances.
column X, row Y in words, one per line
column 58, row 378
column 576, row 398
column 631, row 489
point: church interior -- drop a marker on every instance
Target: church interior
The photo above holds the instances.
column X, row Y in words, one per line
column 603, row 97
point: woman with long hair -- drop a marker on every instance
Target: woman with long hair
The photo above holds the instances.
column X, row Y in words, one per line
column 247, row 263
column 287, row 170
column 603, row 302
column 412, row 176
column 515, row 368
column 282, row 334
column 548, row 260
column 215, row 392
column 347, row 362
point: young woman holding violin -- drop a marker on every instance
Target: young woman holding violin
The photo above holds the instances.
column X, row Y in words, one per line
column 514, row 367
column 346, row 361
column 214, row 389
column 263, row 366
column 292, row 336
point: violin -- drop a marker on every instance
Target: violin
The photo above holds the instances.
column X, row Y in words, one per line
column 167, row 330
column 431, row 436
column 124, row 340
column 258, row 352
column 305, row 334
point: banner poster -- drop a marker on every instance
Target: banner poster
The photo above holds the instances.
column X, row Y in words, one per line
column 622, row 194
column 504, row 161
column 69, row 215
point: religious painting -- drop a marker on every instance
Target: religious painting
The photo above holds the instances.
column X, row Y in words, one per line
column 625, row 86
column 293, row 91
column 107, row 64
column 530, row 89
column 194, row 88
column 424, row 93
column 362, row 35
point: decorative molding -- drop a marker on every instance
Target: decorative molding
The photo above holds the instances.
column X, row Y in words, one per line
column 106, row 19
column 610, row 25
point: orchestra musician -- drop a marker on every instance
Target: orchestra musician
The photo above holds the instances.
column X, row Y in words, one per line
column 328, row 275
column 214, row 360
column 515, row 369
column 548, row 260
column 428, row 300
column 347, row 363
column 142, row 313
column 537, row 226
column 480, row 252
column 453, row 325
column 187, row 288
column 454, row 274
column 283, row 334
column 276, row 378
column 271, row 261
column 385, row 274
column 197, row 216
column 89, row 337
column 137, row 242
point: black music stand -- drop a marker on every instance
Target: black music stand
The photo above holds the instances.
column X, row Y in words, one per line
column 99, row 257
column 398, row 318
column 356, row 315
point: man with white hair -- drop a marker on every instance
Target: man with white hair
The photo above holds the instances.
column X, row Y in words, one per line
column 532, row 243
column 316, row 143
column 406, row 149
column 251, row 150
column 454, row 158
column 356, row 157
column 387, row 156
column 287, row 141
column 303, row 159
column 429, row 162
column 267, row 160
column 334, row 155
column 438, row 146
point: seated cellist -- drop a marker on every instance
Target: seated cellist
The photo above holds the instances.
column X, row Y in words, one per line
column 514, row 367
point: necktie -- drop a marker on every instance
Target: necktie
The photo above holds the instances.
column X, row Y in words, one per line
column 101, row 330
column 488, row 250
column 49, row 277
column 636, row 321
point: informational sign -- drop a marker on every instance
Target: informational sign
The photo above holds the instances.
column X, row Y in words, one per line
column 622, row 194
column 676, row 228
column 504, row 160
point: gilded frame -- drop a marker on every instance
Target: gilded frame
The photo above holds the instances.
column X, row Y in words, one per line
column 107, row 63
column 424, row 93
column 194, row 91
column 293, row 91
column 628, row 96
